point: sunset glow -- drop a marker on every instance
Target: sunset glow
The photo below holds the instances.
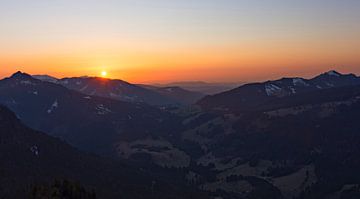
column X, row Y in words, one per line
column 103, row 73
column 161, row 41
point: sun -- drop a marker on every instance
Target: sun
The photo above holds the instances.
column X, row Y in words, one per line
column 104, row 73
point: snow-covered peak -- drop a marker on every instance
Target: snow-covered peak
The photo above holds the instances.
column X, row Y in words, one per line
column 333, row 73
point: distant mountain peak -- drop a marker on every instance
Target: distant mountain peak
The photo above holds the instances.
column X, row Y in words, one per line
column 20, row 74
column 333, row 73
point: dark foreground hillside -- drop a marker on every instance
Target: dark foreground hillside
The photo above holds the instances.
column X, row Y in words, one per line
column 29, row 158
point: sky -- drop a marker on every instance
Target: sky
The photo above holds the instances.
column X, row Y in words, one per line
column 157, row 41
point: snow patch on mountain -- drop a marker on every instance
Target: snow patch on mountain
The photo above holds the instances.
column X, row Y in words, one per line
column 54, row 106
column 299, row 82
column 293, row 90
column 271, row 89
column 329, row 84
column 34, row 149
column 27, row 82
column 84, row 88
column 102, row 110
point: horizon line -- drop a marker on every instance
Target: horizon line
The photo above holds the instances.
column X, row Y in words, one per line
column 181, row 81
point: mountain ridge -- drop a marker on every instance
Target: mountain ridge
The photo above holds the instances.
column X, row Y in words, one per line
column 96, row 123
column 125, row 91
column 251, row 95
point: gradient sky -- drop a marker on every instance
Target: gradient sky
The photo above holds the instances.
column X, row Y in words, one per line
column 172, row 40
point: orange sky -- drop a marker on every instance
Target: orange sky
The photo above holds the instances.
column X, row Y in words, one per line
column 165, row 41
column 230, row 63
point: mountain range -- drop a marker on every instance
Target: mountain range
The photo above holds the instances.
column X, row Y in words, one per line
column 250, row 96
column 90, row 123
column 202, row 87
column 288, row 138
column 124, row 91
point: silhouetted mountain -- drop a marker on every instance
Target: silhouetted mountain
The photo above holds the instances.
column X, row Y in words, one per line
column 29, row 158
column 91, row 123
column 335, row 79
column 202, row 87
column 177, row 94
column 113, row 89
column 251, row 96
